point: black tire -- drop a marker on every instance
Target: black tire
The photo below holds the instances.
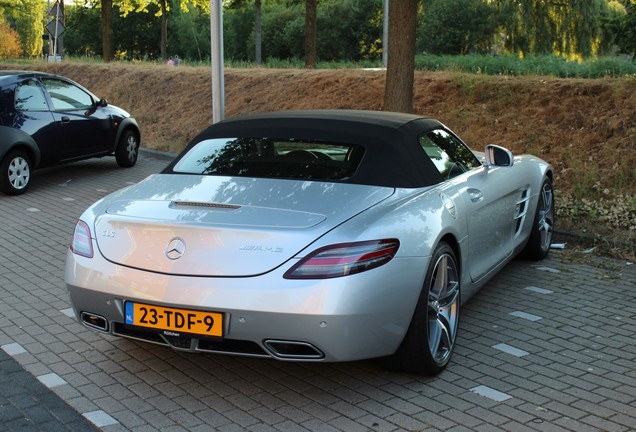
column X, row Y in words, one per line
column 538, row 245
column 127, row 149
column 430, row 340
column 15, row 177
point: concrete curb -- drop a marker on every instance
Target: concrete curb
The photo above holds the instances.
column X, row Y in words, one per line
column 157, row 154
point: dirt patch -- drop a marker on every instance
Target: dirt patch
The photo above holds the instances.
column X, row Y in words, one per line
column 585, row 128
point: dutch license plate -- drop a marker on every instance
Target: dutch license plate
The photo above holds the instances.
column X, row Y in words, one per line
column 175, row 320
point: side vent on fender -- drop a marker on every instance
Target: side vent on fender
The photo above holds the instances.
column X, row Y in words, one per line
column 521, row 209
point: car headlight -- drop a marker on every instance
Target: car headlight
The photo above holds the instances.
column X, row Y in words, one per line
column 344, row 259
column 82, row 244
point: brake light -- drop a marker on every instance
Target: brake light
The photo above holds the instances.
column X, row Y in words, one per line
column 344, row 259
column 82, row 244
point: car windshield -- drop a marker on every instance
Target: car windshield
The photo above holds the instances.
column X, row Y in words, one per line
column 271, row 158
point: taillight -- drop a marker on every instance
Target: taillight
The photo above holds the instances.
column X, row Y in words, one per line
column 344, row 259
column 82, row 244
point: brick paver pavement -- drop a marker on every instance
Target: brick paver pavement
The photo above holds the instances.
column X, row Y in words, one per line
column 543, row 347
column 26, row 404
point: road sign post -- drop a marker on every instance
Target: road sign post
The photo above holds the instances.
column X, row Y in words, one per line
column 56, row 28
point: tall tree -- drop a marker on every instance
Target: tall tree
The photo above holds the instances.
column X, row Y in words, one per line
column 108, row 53
column 400, row 71
column 350, row 30
column 311, row 7
column 552, row 26
column 457, row 27
column 83, row 30
column 190, row 33
column 127, row 6
column 28, row 16
column 257, row 33
column 627, row 33
column 163, row 5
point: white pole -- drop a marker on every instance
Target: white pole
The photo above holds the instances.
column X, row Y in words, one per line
column 216, row 57
column 50, row 42
column 57, row 20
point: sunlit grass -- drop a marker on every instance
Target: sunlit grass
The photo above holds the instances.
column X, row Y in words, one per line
column 480, row 64
column 530, row 65
column 616, row 66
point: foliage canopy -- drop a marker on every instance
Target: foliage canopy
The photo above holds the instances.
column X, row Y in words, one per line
column 347, row 30
column 26, row 19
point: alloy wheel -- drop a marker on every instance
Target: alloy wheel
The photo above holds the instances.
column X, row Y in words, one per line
column 546, row 216
column 443, row 309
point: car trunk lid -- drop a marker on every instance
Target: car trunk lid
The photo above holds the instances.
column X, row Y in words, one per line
column 223, row 226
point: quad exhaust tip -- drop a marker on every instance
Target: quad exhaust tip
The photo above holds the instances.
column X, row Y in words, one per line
column 94, row 321
column 293, row 350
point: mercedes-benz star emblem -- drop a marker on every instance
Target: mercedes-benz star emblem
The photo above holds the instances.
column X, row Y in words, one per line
column 176, row 248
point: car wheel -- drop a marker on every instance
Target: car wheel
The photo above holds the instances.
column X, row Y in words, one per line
column 430, row 339
column 16, row 173
column 540, row 239
column 127, row 149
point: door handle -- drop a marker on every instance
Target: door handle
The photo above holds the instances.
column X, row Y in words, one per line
column 475, row 195
column 65, row 120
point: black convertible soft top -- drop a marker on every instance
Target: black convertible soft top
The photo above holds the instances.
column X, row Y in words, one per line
column 393, row 156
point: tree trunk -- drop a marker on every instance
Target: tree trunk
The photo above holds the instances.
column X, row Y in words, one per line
column 310, row 33
column 400, row 71
column 107, row 31
column 164, row 30
column 257, row 31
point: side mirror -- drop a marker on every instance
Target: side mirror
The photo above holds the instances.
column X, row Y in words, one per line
column 102, row 103
column 498, row 156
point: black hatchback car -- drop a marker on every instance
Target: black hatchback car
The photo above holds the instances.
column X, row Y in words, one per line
column 47, row 120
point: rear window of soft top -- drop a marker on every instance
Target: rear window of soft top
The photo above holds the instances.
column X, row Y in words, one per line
column 271, row 158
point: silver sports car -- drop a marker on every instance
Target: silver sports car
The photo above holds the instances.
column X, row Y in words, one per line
column 310, row 235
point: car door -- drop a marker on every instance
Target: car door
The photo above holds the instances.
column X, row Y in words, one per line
column 489, row 195
column 86, row 129
column 32, row 116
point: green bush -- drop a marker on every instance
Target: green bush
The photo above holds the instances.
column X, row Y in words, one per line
column 531, row 65
column 457, row 27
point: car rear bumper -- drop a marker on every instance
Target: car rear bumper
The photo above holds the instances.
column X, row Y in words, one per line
column 341, row 319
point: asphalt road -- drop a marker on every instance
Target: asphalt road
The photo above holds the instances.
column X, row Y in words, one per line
column 543, row 347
